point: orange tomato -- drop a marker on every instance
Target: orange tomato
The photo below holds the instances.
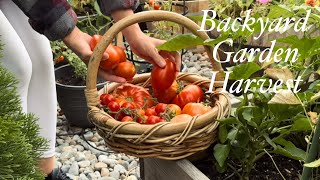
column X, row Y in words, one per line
column 173, row 108
column 121, row 53
column 125, row 70
column 167, row 95
column 181, row 118
column 195, row 109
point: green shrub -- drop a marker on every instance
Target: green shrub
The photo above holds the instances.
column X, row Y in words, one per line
column 20, row 144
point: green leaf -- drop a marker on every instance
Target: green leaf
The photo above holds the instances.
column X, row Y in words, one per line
column 284, row 111
column 221, row 153
column 232, row 134
column 277, row 11
column 229, row 120
column 313, row 164
column 289, row 149
column 301, row 123
column 223, row 133
column 252, row 114
column 182, row 41
column 244, row 71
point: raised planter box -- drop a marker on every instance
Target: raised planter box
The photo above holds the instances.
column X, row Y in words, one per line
column 157, row 169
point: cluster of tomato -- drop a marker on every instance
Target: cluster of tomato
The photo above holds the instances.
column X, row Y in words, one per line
column 155, row 5
column 171, row 101
column 117, row 61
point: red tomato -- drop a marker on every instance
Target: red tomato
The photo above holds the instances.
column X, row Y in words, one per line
column 173, row 108
column 153, row 119
column 114, row 106
column 107, row 98
column 112, row 61
column 114, row 56
column 194, row 109
column 122, row 54
column 127, row 119
column 142, row 120
column 60, row 59
column 162, row 78
column 162, row 120
column 129, row 105
column 150, row 112
column 166, row 96
column 181, row 118
column 102, row 95
column 190, row 93
column 94, row 41
column 156, row 7
column 133, row 93
column 126, row 70
column 160, row 108
column 150, row 2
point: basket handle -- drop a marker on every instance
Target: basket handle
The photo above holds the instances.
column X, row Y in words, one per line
column 158, row 15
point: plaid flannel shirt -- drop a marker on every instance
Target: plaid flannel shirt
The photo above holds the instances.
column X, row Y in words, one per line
column 56, row 19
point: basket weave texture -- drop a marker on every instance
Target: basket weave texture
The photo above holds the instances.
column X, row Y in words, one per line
column 170, row 141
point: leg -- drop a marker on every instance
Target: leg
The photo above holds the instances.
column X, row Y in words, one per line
column 16, row 58
column 41, row 98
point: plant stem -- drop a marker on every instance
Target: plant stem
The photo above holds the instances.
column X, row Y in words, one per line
column 312, row 154
column 275, row 164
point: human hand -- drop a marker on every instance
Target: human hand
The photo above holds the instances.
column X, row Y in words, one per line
column 145, row 47
column 141, row 44
column 79, row 43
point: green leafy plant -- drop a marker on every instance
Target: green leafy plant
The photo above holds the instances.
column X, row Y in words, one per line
column 60, row 49
column 82, row 6
column 163, row 29
column 20, row 143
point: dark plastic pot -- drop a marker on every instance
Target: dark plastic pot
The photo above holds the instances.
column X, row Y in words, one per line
column 72, row 99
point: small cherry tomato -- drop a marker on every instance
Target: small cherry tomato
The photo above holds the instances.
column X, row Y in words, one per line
column 160, row 108
column 173, row 108
column 102, row 95
column 60, row 59
column 156, row 7
column 153, row 119
column 107, row 98
column 150, row 112
column 114, row 106
column 151, row 2
column 162, row 120
column 142, row 120
column 127, row 119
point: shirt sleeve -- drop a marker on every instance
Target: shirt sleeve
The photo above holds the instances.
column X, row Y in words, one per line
column 53, row 18
column 107, row 6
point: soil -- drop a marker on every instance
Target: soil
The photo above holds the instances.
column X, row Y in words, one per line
column 264, row 169
column 70, row 79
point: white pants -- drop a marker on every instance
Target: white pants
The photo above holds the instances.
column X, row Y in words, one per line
column 27, row 54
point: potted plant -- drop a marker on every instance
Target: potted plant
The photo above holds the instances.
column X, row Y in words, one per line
column 70, row 85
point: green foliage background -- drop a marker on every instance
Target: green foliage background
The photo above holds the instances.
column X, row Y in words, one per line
column 20, row 144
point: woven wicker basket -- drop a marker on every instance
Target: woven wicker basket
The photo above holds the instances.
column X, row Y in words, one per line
column 170, row 141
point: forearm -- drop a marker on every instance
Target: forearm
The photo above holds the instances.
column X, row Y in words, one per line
column 130, row 31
